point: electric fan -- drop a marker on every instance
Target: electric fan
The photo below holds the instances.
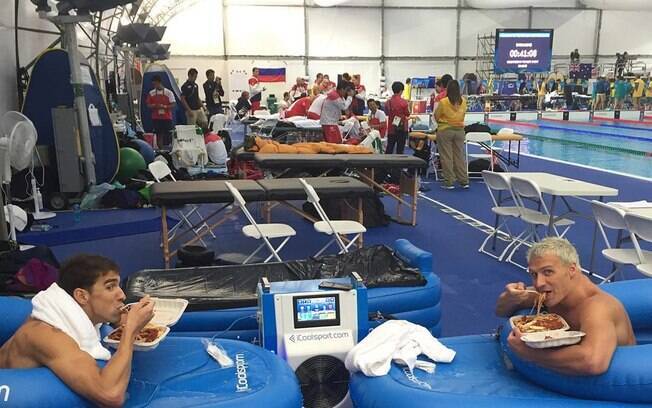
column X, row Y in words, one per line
column 16, row 151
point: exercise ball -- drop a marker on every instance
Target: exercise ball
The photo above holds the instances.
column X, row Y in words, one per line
column 145, row 150
column 130, row 163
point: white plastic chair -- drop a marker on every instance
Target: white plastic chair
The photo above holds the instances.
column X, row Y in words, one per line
column 160, row 171
column 499, row 183
column 523, row 190
column 334, row 227
column 477, row 138
column 640, row 226
column 261, row 231
column 612, row 217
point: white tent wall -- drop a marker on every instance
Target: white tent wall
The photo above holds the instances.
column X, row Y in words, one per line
column 31, row 45
column 483, row 22
column 420, row 33
column 573, row 29
column 293, row 69
column 197, row 30
column 344, row 32
column 629, row 31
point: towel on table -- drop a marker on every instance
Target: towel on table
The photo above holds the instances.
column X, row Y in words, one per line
column 57, row 308
column 397, row 340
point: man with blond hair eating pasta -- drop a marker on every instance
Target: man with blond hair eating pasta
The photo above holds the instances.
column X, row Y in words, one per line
column 554, row 266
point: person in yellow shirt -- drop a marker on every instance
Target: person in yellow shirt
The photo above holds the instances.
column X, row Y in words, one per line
column 637, row 93
column 541, row 94
column 450, row 136
column 407, row 91
column 648, row 93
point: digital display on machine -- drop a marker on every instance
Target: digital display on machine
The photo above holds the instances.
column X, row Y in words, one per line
column 523, row 50
column 316, row 310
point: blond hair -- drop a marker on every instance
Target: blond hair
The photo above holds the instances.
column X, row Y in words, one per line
column 559, row 247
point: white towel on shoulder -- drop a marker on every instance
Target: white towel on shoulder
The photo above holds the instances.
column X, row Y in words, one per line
column 57, row 308
column 397, row 340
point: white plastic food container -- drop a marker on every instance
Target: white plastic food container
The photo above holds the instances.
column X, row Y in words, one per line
column 552, row 339
column 167, row 312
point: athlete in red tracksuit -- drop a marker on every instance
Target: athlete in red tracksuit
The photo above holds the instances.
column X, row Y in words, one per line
column 300, row 107
column 255, row 90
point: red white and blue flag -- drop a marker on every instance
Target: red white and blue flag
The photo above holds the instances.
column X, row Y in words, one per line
column 271, row 74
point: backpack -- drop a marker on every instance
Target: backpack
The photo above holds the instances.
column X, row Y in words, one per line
column 30, row 271
column 477, row 127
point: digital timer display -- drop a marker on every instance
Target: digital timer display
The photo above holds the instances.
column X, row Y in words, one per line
column 523, row 50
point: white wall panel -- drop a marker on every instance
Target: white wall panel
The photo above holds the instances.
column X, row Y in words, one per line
column 400, row 70
column 293, row 69
column 346, row 3
column 196, row 30
column 369, row 71
column 341, row 32
column 629, row 31
column 420, row 32
column 484, row 22
column 573, row 29
column 420, row 3
column 264, row 30
column 263, row 2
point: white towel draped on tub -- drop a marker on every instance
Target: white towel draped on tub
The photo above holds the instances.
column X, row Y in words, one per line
column 57, row 308
column 397, row 340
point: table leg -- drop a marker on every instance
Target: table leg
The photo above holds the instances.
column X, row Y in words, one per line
column 360, row 220
column 164, row 237
column 595, row 234
column 415, row 196
column 551, row 222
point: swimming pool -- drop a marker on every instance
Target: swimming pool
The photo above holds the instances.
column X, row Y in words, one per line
column 625, row 148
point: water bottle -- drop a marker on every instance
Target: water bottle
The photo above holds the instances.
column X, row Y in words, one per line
column 76, row 211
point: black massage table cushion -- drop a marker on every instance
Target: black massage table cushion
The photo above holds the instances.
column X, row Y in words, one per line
column 284, row 161
column 326, row 187
column 402, row 161
column 204, row 191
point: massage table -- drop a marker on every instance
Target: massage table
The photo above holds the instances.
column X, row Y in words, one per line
column 505, row 156
column 362, row 165
column 179, row 193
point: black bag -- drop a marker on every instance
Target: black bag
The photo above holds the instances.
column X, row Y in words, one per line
column 477, row 127
column 226, row 137
column 476, row 166
column 122, row 199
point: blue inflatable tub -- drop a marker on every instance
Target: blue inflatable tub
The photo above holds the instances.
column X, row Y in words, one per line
column 417, row 300
column 178, row 373
column 479, row 376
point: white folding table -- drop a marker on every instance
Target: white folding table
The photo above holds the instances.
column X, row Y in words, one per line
column 564, row 187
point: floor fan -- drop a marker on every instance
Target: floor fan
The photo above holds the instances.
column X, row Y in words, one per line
column 16, row 151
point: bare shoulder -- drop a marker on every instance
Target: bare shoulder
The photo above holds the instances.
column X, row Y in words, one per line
column 603, row 303
column 44, row 342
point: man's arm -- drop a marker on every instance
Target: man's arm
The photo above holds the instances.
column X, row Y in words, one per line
column 184, row 101
column 515, row 296
column 591, row 356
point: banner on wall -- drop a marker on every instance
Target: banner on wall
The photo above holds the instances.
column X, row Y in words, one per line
column 271, row 74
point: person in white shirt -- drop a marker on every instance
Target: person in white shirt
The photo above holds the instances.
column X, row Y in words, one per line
column 314, row 112
column 377, row 118
column 332, row 108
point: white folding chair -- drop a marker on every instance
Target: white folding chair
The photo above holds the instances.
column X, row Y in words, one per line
column 610, row 216
column 499, row 183
column 640, row 226
column 476, row 138
column 334, row 227
column 160, row 171
column 525, row 190
column 266, row 232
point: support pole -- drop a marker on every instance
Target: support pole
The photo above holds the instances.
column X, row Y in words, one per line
column 70, row 43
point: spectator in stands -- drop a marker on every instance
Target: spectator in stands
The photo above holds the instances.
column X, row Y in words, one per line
column 316, row 86
column 299, row 89
column 190, row 100
column 213, row 91
column 575, row 57
column 450, row 137
column 637, row 92
column 255, row 90
column 160, row 102
column 399, row 115
column 332, row 108
column 377, row 118
column 242, row 107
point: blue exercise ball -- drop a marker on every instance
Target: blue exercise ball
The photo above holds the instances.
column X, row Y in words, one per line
column 145, row 150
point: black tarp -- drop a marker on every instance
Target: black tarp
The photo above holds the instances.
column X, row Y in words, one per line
column 223, row 287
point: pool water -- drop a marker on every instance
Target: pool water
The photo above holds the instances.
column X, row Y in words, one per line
column 622, row 148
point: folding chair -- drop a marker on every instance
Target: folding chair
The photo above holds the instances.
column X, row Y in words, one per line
column 523, row 190
column 160, row 170
column 499, row 183
column 335, row 227
column 218, row 122
column 477, row 138
column 261, row 231
column 640, row 226
column 614, row 218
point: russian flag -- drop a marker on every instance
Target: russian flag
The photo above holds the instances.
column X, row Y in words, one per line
column 271, row 74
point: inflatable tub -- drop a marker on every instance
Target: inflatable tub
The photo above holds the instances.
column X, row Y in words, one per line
column 478, row 376
column 178, row 373
column 222, row 300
